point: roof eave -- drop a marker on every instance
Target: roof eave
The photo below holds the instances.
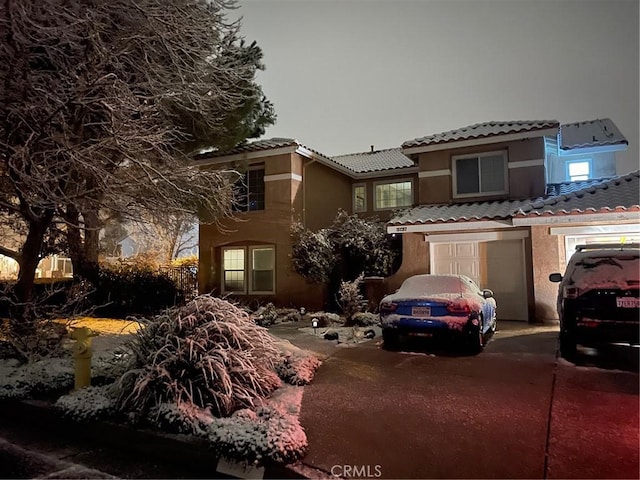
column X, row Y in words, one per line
column 449, row 226
column 560, row 218
column 268, row 152
column 617, row 147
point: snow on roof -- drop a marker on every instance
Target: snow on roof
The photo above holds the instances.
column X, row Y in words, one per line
column 593, row 133
column 483, row 130
column 376, row 160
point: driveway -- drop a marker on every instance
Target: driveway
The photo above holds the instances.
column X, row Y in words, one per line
column 514, row 411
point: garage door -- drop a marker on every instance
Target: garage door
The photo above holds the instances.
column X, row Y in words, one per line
column 498, row 265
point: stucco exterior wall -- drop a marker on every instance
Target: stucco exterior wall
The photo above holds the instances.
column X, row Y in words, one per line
column 415, row 260
column 548, row 256
column 526, row 174
column 325, row 192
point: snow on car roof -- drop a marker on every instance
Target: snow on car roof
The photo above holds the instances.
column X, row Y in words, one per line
column 428, row 284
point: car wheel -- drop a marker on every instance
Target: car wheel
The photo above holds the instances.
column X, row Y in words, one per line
column 390, row 338
column 567, row 345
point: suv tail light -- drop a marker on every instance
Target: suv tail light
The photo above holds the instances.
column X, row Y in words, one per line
column 453, row 308
column 389, row 307
column 571, row 292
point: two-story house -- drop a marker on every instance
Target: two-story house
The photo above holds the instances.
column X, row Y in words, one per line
column 250, row 257
column 486, row 200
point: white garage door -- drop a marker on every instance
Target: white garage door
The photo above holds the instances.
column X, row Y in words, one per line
column 498, row 265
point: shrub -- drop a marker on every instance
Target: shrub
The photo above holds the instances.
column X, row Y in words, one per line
column 129, row 289
column 267, row 315
column 350, row 298
column 206, row 354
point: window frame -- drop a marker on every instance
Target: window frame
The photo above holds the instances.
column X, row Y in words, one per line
column 567, row 167
column 246, row 186
column 391, row 182
column 248, row 270
column 479, row 156
column 355, row 205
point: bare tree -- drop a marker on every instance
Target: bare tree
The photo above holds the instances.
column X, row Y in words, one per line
column 102, row 105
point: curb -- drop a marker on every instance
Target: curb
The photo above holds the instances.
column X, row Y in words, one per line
column 37, row 437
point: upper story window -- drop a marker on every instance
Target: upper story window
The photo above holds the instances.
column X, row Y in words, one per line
column 579, row 170
column 360, row 197
column 249, row 270
column 250, row 193
column 393, row 194
column 480, row 175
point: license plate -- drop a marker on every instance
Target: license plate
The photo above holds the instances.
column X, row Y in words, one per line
column 628, row 302
column 421, row 311
column 420, row 334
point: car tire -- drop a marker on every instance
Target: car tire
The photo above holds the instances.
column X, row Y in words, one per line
column 568, row 345
column 476, row 340
column 390, row 338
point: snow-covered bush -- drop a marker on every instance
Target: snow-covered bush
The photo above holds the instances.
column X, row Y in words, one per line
column 267, row 315
column 208, row 353
column 312, row 254
column 326, row 319
column 366, row 319
column 350, row 298
column 24, row 381
column 298, row 368
column 88, row 404
column 268, row 435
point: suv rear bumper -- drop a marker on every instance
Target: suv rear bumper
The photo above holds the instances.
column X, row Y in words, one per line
column 592, row 331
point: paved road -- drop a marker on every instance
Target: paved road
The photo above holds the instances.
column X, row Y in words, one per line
column 514, row 411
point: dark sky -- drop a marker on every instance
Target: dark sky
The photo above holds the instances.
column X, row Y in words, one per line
column 344, row 75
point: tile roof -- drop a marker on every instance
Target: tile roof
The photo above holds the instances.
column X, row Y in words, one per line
column 618, row 194
column 476, row 211
column 482, row 130
column 259, row 145
column 374, row 161
column 593, row 133
column 563, row 188
column 614, row 195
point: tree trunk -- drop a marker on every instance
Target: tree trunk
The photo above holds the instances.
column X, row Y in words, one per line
column 83, row 254
column 23, row 314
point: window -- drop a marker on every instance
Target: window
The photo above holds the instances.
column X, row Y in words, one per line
column 579, row 170
column 393, row 195
column 478, row 175
column 255, row 264
column 360, row 198
column 250, row 190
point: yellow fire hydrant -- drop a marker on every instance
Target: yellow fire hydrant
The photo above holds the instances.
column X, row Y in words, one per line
column 82, row 355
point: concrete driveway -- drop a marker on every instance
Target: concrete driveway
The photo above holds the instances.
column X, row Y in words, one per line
column 514, row 411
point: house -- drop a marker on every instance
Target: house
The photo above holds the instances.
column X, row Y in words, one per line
column 287, row 182
column 489, row 200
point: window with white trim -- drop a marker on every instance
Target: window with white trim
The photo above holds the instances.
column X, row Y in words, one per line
column 578, row 170
column 480, row 175
column 249, row 270
column 393, row 194
column 359, row 197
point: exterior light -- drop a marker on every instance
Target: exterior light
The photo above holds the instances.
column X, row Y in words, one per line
column 303, row 310
column 314, row 324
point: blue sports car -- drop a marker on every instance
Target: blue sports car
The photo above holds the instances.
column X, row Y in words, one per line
column 439, row 306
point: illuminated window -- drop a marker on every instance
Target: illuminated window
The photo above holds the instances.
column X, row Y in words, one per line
column 579, row 170
column 258, row 267
column 480, row 175
column 393, row 195
column 360, row 197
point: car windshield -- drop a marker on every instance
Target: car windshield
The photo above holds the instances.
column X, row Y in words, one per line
column 435, row 285
column 606, row 271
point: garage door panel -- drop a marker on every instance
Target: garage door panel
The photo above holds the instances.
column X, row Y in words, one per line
column 498, row 265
